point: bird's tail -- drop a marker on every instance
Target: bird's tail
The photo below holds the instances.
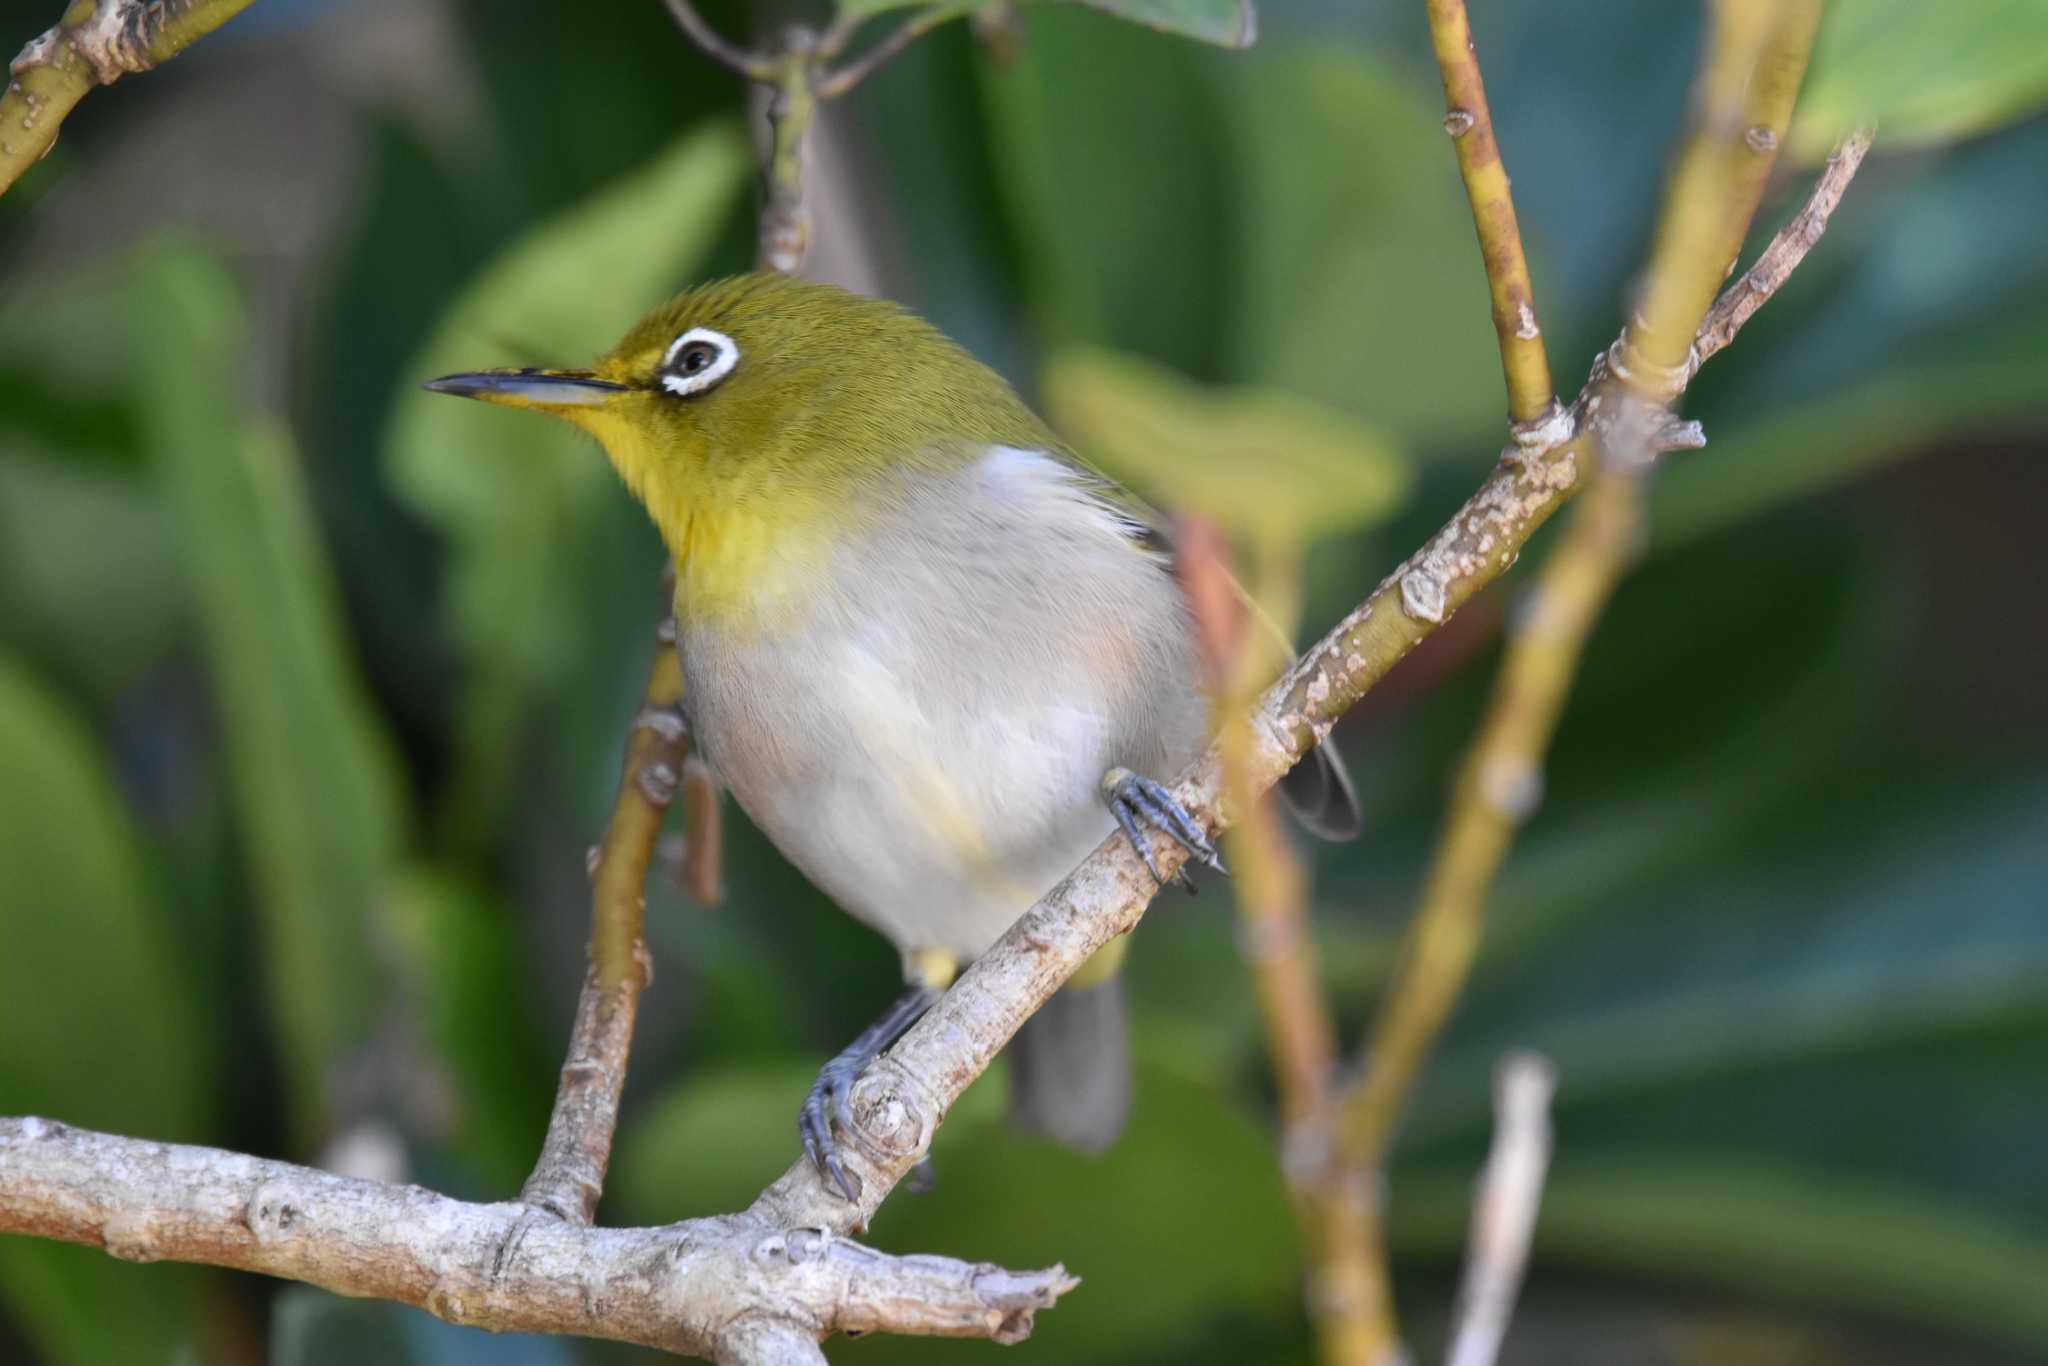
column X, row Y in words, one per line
column 1070, row 1067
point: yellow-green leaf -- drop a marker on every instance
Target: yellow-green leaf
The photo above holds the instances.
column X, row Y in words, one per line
column 1925, row 73
column 1260, row 461
column 1226, row 23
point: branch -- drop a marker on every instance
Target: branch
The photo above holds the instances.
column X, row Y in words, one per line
column 834, row 84
column 1532, row 402
column 754, row 66
column 701, row 1287
column 568, row 1179
column 1775, row 266
column 1504, row 1212
column 96, row 43
column 1737, row 132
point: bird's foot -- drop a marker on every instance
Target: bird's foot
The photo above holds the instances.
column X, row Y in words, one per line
column 830, row 1104
column 828, row 1109
column 1136, row 802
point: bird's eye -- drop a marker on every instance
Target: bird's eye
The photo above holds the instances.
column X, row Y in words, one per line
column 698, row 359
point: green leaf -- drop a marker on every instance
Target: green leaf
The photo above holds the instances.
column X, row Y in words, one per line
column 98, row 619
column 1104, row 146
column 1925, row 74
column 460, row 950
column 1353, row 271
column 314, row 779
column 1173, row 1239
column 1796, row 1232
column 1226, row 23
column 99, row 1023
column 1260, row 461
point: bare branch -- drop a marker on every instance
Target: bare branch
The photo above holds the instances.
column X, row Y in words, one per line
column 836, row 83
column 754, row 66
column 1786, row 250
column 725, row 1287
column 1504, row 1212
column 95, row 44
column 1469, row 121
column 568, row 1178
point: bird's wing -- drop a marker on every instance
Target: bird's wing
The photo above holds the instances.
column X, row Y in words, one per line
column 1318, row 791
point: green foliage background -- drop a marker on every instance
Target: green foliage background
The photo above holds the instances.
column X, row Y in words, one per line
column 311, row 688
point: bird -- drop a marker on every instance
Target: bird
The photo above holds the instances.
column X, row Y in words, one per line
column 935, row 657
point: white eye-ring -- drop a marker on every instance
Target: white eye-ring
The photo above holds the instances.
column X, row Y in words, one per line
column 697, row 360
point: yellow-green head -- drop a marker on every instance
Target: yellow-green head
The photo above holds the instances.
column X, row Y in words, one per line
column 761, row 417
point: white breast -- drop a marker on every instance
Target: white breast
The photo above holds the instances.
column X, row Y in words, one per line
column 926, row 747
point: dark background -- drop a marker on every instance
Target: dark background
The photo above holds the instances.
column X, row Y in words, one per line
column 311, row 689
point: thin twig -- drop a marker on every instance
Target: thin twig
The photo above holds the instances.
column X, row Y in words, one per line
column 1504, row 1210
column 1786, row 250
column 695, row 1287
column 1755, row 63
column 94, row 44
column 754, row 66
column 785, row 227
column 568, row 1178
column 836, row 83
column 1531, row 398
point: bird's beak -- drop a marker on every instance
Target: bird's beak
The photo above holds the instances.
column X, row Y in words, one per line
column 545, row 389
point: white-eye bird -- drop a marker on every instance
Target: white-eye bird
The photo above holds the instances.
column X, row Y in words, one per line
column 935, row 658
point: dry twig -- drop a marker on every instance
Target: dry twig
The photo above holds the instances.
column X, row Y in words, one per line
column 1504, row 1209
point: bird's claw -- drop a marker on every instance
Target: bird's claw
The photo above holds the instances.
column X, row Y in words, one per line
column 1133, row 799
column 828, row 1106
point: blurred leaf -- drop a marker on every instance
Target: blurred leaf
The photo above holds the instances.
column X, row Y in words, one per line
column 1353, row 270
column 1181, row 1229
column 1787, row 1231
column 315, row 786
column 1226, row 23
column 1104, row 141
column 1798, row 1008
column 710, row 1143
column 99, row 619
column 63, row 342
column 459, row 947
column 1924, row 73
column 1260, row 461
column 310, row 1327
column 98, row 1021
column 1807, row 449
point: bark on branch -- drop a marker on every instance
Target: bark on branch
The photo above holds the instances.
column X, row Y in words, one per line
column 96, row 43
column 706, row 1287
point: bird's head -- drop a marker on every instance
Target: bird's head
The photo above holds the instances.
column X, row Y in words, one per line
column 781, row 397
